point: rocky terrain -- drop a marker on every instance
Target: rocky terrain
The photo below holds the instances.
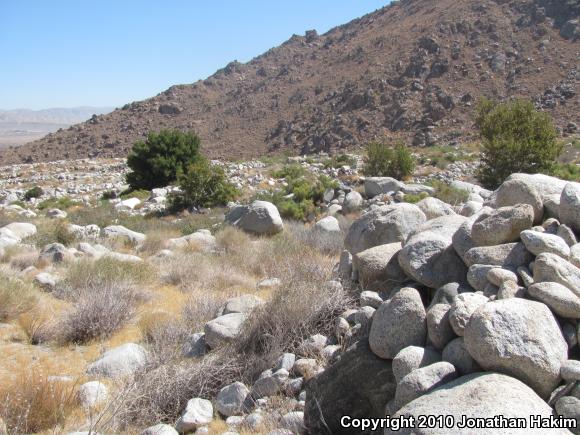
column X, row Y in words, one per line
column 411, row 70
column 117, row 318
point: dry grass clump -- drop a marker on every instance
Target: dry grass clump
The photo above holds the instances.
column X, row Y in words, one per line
column 32, row 403
column 191, row 271
column 52, row 231
column 160, row 395
column 330, row 244
column 156, row 239
column 16, row 297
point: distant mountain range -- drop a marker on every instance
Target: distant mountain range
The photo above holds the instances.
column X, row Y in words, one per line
column 19, row 126
column 412, row 70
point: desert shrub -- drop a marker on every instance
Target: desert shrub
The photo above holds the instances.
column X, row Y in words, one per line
column 413, row 199
column 98, row 312
column 202, row 185
column 515, row 138
column 303, row 193
column 157, row 161
column 339, row 161
column 141, row 194
column 448, row 194
column 62, row 203
column 331, row 244
column 567, row 171
column 32, row 403
column 16, row 297
column 52, row 231
column 384, row 161
column 35, row 192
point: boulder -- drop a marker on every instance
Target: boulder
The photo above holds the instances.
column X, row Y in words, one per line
column 327, row 226
column 412, row 358
column 439, row 328
column 567, row 234
column 230, row 399
column 428, row 255
column 399, row 322
column 379, row 185
column 160, row 429
column 509, row 255
column 545, row 185
column 199, row 240
column 383, row 225
column 538, row 243
column 477, row 275
column 462, row 308
column 352, row 202
column 517, row 191
column 293, row 421
column 498, row 275
column 570, row 206
column 269, row 385
column 560, row 299
column 423, row 380
column 345, row 388
column 21, row 230
column 223, row 329
column 55, row 253
column 552, row 268
column 119, row 231
column 470, row 187
column 503, row 225
column 569, row 407
column 417, row 189
column 92, row 394
column 379, row 265
column 119, row 361
column 434, row 208
column 242, row 304
column 260, row 217
column 570, row 370
column 456, row 354
column 478, row 395
column 127, row 204
column 520, row 338
column 198, row 412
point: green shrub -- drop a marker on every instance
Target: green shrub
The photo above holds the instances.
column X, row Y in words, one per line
column 157, row 161
column 202, row 185
column 567, row 171
column 413, row 199
column 62, row 203
column 35, row 192
column 290, row 172
column 141, row 194
column 449, row 194
column 339, row 161
column 515, row 138
column 384, row 161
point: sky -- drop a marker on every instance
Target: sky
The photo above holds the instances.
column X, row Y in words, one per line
column 68, row 53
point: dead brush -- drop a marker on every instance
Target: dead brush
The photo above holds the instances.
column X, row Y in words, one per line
column 160, row 395
column 16, row 297
column 98, row 312
column 32, row 402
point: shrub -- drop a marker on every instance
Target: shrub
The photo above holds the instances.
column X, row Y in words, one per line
column 16, row 297
column 35, row 192
column 98, row 312
column 62, row 203
column 384, row 161
column 340, row 160
column 515, row 138
column 567, row 171
column 157, row 161
column 202, row 185
column 32, row 403
column 413, row 199
column 449, row 194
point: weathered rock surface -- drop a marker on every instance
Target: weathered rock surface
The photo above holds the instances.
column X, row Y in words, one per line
column 260, row 217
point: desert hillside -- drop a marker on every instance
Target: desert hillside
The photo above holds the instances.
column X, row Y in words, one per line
column 412, row 69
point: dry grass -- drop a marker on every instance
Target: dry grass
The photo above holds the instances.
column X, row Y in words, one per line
column 16, row 297
column 32, row 403
column 156, row 239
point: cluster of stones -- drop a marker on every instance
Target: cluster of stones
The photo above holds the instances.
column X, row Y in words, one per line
column 473, row 309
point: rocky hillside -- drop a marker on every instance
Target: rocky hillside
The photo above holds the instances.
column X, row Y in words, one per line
column 412, row 69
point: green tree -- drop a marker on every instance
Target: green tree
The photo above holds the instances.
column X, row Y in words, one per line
column 157, row 161
column 202, row 185
column 515, row 138
column 384, row 161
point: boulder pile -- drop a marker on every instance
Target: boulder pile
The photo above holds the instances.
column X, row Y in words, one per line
column 471, row 313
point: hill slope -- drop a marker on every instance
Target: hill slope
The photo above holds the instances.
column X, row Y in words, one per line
column 413, row 69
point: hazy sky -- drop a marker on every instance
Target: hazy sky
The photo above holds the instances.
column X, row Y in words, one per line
column 64, row 53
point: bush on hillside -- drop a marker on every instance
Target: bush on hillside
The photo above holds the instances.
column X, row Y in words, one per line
column 384, row 161
column 35, row 192
column 202, row 185
column 157, row 161
column 515, row 138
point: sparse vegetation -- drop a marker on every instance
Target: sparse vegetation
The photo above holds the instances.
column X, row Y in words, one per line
column 16, row 297
column 382, row 160
column 448, row 194
column 62, row 203
column 157, row 161
column 515, row 138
